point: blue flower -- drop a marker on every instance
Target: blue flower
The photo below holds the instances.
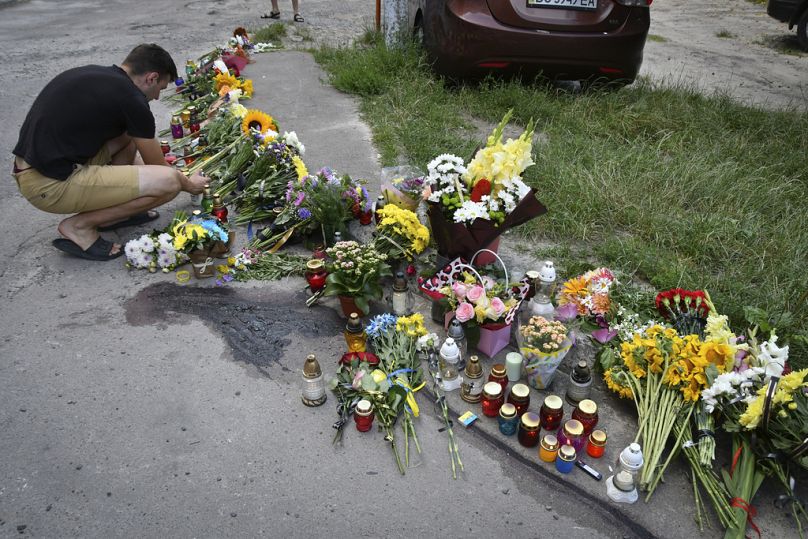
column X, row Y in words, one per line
column 380, row 324
column 214, row 229
column 303, row 213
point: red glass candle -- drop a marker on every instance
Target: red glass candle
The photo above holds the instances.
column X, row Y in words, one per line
column 316, row 274
column 597, row 444
column 529, row 430
column 520, row 398
column 499, row 376
column 363, row 415
column 165, row 147
column 171, row 158
column 551, row 412
column 194, row 127
column 366, row 217
column 492, row 399
column 587, row 414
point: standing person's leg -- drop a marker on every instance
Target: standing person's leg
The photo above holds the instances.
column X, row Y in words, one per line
column 296, row 8
column 275, row 13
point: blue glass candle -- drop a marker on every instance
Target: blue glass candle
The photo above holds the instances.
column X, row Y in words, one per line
column 565, row 461
column 508, row 421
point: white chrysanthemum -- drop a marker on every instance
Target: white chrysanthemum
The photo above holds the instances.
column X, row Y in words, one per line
column 165, row 241
column 470, row 211
column 146, row 244
column 132, row 250
column 435, row 196
column 165, row 260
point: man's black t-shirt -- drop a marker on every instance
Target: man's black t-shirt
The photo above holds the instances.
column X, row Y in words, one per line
column 77, row 113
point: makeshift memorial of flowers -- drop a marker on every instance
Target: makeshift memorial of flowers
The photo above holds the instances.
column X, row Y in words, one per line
column 545, row 345
column 389, row 380
column 470, row 206
column 355, row 272
column 195, row 237
column 154, row 251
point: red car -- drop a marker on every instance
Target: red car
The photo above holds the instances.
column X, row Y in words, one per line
column 559, row 39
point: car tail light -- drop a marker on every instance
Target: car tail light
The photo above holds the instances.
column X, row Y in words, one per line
column 610, row 71
column 634, row 3
column 494, row 65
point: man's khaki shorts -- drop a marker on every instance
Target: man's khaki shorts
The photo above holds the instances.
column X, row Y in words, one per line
column 92, row 186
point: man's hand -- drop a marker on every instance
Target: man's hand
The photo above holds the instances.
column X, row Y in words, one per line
column 195, row 184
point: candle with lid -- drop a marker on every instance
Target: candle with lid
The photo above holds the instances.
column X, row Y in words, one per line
column 401, row 299
column 529, row 429
column 499, row 376
column 449, row 357
column 508, row 419
column 472, row 387
column 566, row 459
column 456, row 332
column 355, row 336
column 551, row 412
column 572, row 433
column 631, row 459
column 587, row 414
column 492, row 399
column 313, row 393
column 519, row 396
column 363, row 415
column 580, row 383
column 597, row 444
column 548, row 450
column 316, row 274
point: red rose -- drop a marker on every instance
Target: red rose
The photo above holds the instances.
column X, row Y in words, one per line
column 481, row 188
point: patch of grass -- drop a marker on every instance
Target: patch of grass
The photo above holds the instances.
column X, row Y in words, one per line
column 667, row 185
column 304, row 32
column 782, row 43
column 725, row 34
column 270, row 33
column 656, row 38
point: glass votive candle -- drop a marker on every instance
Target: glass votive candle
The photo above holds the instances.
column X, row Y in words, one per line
column 170, row 158
column 587, row 413
column 548, row 450
column 529, row 429
column 551, row 412
column 492, row 399
column 315, row 274
column 597, row 444
column 566, row 459
column 508, row 419
column 519, row 396
column 363, row 415
column 572, row 433
column 366, row 217
column 499, row 376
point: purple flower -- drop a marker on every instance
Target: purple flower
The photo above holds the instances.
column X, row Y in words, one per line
column 227, row 277
column 566, row 312
column 303, row 213
column 604, row 335
column 300, row 196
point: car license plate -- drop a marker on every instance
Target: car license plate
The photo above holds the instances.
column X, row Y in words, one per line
column 588, row 5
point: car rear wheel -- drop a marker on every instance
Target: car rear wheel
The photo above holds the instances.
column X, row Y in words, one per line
column 802, row 31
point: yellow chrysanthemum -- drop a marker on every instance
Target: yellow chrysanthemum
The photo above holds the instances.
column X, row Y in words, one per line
column 300, row 167
column 615, row 380
column 257, row 120
column 750, row 419
column 404, row 223
column 412, row 325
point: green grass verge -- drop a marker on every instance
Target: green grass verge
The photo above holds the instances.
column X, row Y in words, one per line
column 270, row 33
column 673, row 187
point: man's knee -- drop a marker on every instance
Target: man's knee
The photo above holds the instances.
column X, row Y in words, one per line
column 160, row 181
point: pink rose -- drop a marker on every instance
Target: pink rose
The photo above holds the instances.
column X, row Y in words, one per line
column 475, row 293
column 498, row 306
column 464, row 312
column 459, row 290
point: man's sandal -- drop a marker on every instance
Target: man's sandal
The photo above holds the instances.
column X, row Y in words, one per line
column 298, row 17
column 272, row 15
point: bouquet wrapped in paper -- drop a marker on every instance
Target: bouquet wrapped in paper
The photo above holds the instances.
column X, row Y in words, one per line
column 471, row 205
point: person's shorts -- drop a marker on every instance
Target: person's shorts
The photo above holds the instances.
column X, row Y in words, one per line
column 92, row 186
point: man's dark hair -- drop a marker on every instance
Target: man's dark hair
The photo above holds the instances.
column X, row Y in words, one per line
column 150, row 57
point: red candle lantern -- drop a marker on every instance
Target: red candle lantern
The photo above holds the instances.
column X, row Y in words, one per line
column 316, row 274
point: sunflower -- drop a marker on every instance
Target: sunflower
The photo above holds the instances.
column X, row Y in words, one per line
column 223, row 79
column 258, row 120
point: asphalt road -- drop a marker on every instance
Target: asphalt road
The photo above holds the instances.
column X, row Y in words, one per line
column 133, row 406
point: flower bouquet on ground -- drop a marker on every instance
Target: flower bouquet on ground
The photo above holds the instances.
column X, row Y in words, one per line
column 355, row 273
column 399, row 234
column 154, row 251
column 765, row 407
column 391, row 384
column 470, row 206
column 316, row 204
column 195, row 237
column 402, row 186
column 545, row 345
